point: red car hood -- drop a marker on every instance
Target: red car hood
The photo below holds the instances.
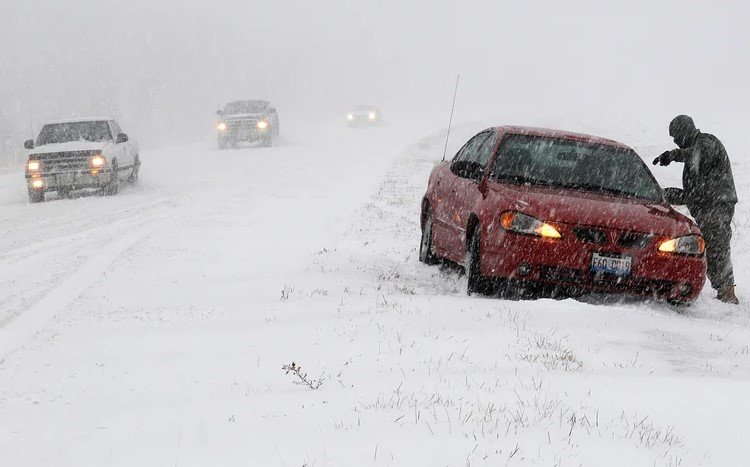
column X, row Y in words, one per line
column 557, row 205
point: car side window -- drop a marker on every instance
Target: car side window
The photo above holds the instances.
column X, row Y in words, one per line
column 115, row 127
column 465, row 164
column 482, row 154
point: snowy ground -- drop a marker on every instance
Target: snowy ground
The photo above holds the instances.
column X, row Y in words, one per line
column 151, row 328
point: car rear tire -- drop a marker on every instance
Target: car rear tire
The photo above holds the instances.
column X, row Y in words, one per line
column 477, row 283
column 426, row 248
column 36, row 196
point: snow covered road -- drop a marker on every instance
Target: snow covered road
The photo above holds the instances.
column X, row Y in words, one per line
column 150, row 328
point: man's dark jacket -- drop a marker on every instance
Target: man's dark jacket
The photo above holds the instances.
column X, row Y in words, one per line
column 707, row 175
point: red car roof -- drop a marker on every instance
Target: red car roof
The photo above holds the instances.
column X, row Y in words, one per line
column 550, row 133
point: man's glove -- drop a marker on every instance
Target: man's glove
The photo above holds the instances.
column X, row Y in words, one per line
column 665, row 158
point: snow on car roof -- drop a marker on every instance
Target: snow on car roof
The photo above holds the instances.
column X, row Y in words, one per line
column 79, row 119
column 551, row 133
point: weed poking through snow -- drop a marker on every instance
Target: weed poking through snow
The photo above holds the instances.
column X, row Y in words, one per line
column 303, row 379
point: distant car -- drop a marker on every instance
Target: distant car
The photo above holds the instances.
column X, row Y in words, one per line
column 80, row 153
column 545, row 210
column 247, row 121
column 364, row 115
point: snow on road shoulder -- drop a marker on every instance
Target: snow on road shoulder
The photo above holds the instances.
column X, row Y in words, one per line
column 474, row 381
column 311, row 257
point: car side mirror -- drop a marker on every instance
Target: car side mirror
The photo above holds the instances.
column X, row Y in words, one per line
column 29, row 144
column 219, row 113
column 675, row 196
column 122, row 138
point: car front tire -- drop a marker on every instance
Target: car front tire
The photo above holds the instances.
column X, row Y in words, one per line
column 477, row 283
column 114, row 184
column 36, row 196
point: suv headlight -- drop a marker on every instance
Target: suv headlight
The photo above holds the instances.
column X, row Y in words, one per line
column 221, row 126
column 687, row 245
column 262, row 124
column 97, row 161
column 523, row 224
column 33, row 165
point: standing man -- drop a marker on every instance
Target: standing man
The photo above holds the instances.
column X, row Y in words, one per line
column 710, row 196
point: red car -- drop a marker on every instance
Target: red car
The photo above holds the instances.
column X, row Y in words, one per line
column 547, row 210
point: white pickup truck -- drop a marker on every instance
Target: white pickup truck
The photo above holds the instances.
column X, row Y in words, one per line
column 78, row 154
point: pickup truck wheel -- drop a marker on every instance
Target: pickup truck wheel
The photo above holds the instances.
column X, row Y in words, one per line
column 222, row 143
column 136, row 169
column 266, row 141
column 36, row 196
column 114, row 184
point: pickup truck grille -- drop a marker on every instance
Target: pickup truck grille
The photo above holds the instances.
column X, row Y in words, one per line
column 64, row 161
column 236, row 124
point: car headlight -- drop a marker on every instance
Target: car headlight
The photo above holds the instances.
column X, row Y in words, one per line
column 350, row 117
column 523, row 224
column 372, row 115
column 221, row 126
column 97, row 161
column 33, row 166
column 262, row 125
column 687, row 245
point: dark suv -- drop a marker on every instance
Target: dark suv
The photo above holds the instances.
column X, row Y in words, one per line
column 247, row 121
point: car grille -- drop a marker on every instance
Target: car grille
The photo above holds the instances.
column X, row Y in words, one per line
column 595, row 236
column 64, row 161
column 237, row 124
column 634, row 240
column 629, row 240
column 577, row 277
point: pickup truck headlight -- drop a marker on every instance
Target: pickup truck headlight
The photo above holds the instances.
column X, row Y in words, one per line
column 221, row 127
column 523, row 224
column 33, row 166
column 262, row 125
column 687, row 245
column 97, row 161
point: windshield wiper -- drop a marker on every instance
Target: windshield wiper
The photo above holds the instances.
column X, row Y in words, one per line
column 593, row 187
column 523, row 180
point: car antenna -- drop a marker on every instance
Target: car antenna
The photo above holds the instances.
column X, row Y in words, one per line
column 450, row 122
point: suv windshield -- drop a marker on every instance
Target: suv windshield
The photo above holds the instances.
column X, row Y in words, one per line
column 74, row 131
column 557, row 162
column 246, row 107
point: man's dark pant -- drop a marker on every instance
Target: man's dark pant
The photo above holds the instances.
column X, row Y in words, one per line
column 716, row 224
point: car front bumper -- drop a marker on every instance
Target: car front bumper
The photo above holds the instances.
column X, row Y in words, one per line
column 567, row 265
column 248, row 135
column 73, row 180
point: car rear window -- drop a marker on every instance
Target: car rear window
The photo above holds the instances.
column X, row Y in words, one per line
column 558, row 162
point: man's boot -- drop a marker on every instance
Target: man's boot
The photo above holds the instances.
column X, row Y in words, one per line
column 727, row 295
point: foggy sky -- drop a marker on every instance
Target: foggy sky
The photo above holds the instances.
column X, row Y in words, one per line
column 164, row 67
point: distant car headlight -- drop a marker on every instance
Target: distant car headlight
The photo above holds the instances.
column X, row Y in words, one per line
column 33, row 166
column 687, row 245
column 262, row 125
column 221, row 126
column 97, row 162
column 350, row 117
column 372, row 115
column 523, row 224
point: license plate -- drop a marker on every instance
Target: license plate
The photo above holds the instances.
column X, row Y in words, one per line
column 65, row 179
column 615, row 265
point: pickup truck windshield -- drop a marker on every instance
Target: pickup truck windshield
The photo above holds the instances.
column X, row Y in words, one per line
column 246, row 107
column 557, row 162
column 74, row 131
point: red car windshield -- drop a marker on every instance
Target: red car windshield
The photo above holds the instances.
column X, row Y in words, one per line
column 557, row 162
